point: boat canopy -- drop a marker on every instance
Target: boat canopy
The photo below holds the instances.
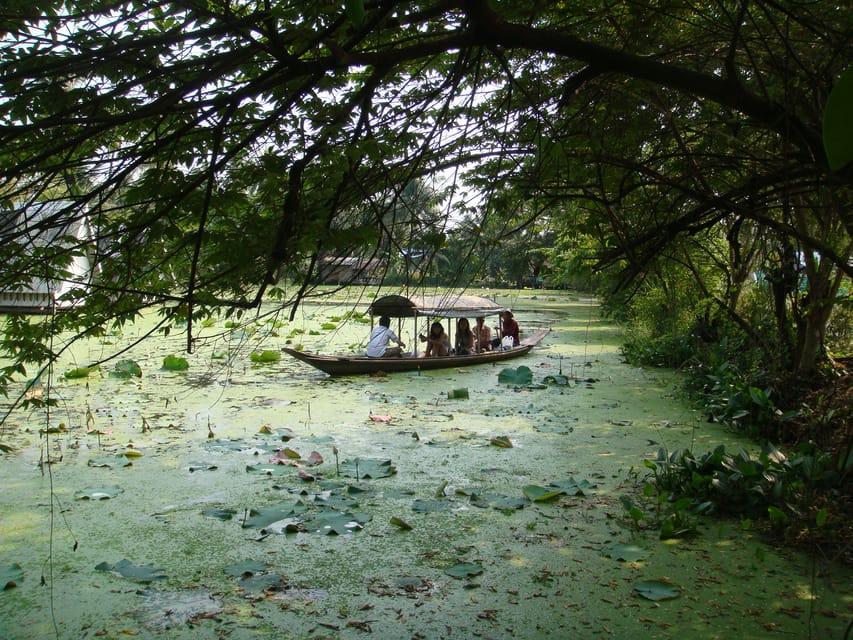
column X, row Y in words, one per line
column 446, row 306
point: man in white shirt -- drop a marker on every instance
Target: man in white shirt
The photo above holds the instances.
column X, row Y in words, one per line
column 377, row 345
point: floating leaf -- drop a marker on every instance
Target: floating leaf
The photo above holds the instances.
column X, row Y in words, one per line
column 367, row 468
column 79, row 372
column 458, row 394
column 132, row 453
column 11, row 575
column 265, row 356
column 501, row 441
column 334, row 522
column 219, row 514
column 110, row 462
column 429, row 506
column 400, row 523
column 572, row 487
column 125, row 568
column 268, row 469
column 268, row 516
column 98, row 493
column 126, row 369
column 556, row 379
column 175, row 363
column 536, row 493
column 201, row 466
column 626, row 552
column 464, row 570
column 246, row 567
column 520, row 376
column 657, row 590
column 499, row 502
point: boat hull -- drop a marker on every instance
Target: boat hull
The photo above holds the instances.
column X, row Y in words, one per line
column 340, row 365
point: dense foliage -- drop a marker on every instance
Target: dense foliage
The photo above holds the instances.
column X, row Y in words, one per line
column 219, row 149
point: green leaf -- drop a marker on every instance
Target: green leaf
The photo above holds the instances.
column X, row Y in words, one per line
column 837, row 130
column 501, row 441
column 464, row 570
column 821, row 517
column 265, row 356
column 79, row 372
column 265, row 517
column 11, row 575
column 657, row 590
column 333, row 522
column 520, row 376
column 536, row 493
column 365, row 468
column 219, row 514
column 125, row 568
column 244, row 568
column 126, row 369
column 174, row 363
column 626, row 552
column 400, row 523
column 98, row 493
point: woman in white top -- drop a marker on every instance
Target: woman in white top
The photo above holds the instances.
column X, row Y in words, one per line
column 377, row 345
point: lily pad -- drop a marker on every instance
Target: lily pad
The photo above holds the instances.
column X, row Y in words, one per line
column 110, row 461
column 268, row 516
column 557, row 379
column 98, row 493
column 499, row 502
column 521, row 376
column 125, row 568
column 246, row 567
column 535, row 493
column 657, row 590
column 333, row 522
column 219, row 514
column 79, row 372
column 175, row 363
column 464, row 570
column 626, row 552
column 201, row 466
column 11, row 575
column 268, row 469
column 572, row 487
column 364, row 468
column 265, row 356
column 431, row 506
column 126, row 369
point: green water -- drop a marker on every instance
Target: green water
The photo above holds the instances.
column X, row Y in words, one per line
column 540, row 571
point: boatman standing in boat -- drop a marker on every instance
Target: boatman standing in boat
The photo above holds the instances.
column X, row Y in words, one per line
column 377, row 345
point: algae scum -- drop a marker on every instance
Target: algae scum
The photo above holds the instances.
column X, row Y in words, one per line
column 248, row 496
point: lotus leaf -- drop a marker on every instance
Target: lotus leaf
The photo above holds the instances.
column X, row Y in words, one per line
column 400, row 523
column 499, row 502
column 245, row 567
column 501, row 441
column 175, row 363
column 219, row 514
column 572, row 487
column 98, row 493
column 141, row 573
column 264, row 518
column 11, row 575
column 365, row 468
column 429, row 506
column 464, row 570
column 110, row 461
column 333, row 522
column 265, row 356
column 79, row 372
column 626, row 552
column 536, row 493
column 657, row 590
column 520, row 377
column 126, row 369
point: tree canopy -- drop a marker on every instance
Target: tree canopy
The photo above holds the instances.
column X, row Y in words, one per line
column 218, row 147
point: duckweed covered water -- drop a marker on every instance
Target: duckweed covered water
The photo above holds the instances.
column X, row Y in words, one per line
column 476, row 558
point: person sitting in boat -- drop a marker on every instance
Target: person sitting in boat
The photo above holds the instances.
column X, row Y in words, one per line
column 380, row 336
column 464, row 337
column 509, row 328
column 436, row 340
column 482, row 335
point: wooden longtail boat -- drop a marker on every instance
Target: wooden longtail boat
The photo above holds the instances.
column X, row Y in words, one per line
column 421, row 308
